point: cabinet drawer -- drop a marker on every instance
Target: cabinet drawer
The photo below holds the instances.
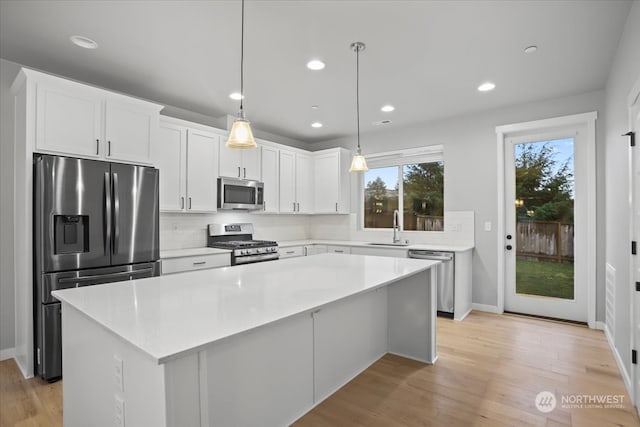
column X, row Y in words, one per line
column 339, row 249
column 177, row 265
column 291, row 252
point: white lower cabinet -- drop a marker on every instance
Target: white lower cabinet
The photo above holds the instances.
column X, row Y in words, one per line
column 388, row 252
column 315, row 250
column 178, row 265
column 338, row 249
column 292, row 252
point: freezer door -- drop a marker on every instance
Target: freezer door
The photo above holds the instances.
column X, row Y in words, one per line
column 49, row 348
column 71, row 229
column 135, row 214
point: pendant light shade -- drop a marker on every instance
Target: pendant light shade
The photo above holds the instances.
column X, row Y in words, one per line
column 359, row 163
column 241, row 135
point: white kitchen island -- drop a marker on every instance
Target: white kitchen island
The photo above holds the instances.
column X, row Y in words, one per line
column 252, row 345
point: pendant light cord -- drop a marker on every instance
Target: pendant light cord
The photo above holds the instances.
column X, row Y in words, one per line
column 357, row 93
column 242, row 59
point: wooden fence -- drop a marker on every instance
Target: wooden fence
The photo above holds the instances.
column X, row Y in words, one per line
column 545, row 240
column 411, row 221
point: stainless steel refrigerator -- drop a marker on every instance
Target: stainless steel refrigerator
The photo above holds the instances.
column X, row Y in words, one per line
column 94, row 222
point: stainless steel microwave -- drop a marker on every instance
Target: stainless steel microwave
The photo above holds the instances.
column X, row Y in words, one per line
column 242, row 194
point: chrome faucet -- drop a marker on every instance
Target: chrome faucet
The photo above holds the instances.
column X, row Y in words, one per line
column 396, row 227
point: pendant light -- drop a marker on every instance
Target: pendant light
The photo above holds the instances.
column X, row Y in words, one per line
column 241, row 135
column 358, row 164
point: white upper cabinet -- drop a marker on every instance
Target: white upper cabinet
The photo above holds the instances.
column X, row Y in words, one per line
column 304, row 183
column 296, row 182
column 332, row 180
column 187, row 158
column 83, row 121
column 270, row 179
column 239, row 163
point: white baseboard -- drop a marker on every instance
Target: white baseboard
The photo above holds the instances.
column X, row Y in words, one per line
column 485, row 307
column 623, row 370
column 7, row 353
column 461, row 318
column 599, row 325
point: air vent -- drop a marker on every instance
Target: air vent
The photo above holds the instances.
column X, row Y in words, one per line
column 381, row 123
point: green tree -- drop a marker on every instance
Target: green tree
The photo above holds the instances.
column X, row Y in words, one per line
column 376, row 189
column 545, row 189
column 424, row 188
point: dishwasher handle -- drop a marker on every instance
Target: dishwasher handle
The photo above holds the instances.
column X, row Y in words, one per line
column 435, row 256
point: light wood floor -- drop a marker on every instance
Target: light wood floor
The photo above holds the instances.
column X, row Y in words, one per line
column 490, row 369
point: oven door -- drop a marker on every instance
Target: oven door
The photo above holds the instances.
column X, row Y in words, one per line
column 240, row 194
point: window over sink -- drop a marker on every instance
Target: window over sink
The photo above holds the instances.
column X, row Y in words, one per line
column 411, row 181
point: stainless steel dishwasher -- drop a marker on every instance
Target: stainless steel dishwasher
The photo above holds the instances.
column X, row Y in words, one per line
column 445, row 274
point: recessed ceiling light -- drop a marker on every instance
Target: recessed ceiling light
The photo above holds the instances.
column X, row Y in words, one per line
column 316, row 125
column 84, row 42
column 530, row 49
column 237, row 96
column 315, row 107
column 486, row 87
column 388, row 108
column 315, row 64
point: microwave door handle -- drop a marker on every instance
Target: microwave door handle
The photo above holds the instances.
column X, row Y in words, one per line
column 107, row 215
column 116, row 214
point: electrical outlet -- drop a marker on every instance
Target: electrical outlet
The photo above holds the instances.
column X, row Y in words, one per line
column 118, row 368
column 487, row 226
column 119, row 407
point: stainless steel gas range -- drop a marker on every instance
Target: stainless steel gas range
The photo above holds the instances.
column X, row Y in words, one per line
column 239, row 239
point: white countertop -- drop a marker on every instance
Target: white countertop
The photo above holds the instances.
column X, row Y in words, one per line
column 179, row 253
column 170, row 316
column 428, row 247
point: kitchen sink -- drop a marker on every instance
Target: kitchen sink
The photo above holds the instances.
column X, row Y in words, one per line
column 388, row 244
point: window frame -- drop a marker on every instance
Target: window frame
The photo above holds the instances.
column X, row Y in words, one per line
column 398, row 158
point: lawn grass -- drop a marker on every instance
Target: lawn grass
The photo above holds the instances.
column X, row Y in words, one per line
column 545, row 278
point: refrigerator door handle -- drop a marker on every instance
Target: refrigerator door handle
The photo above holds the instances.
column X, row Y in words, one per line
column 85, row 279
column 116, row 214
column 107, row 217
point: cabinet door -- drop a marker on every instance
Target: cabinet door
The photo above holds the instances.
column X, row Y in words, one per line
column 168, row 153
column 327, row 183
column 128, row 131
column 230, row 162
column 287, row 181
column 68, row 119
column 270, row 178
column 304, row 183
column 202, row 171
column 251, row 164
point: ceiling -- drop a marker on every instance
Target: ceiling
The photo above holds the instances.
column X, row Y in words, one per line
column 424, row 57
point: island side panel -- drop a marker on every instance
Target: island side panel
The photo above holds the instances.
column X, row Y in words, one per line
column 260, row 378
column 349, row 335
column 412, row 317
column 91, row 388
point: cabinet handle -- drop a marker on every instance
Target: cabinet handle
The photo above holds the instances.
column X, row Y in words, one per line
column 339, row 251
column 97, row 147
column 238, row 171
column 189, row 202
column 264, row 205
column 108, row 148
column 294, row 206
column 181, row 202
column 290, row 252
column 200, row 263
column 298, row 206
column 336, row 206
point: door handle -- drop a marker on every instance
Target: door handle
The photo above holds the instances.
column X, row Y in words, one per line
column 107, row 217
column 509, row 247
column 238, row 171
column 189, row 203
column 245, row 172
column 97, row 147
column 116, row 212
column 108, row 148
column 181, row 202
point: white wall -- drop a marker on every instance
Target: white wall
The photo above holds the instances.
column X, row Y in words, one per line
column 470, row 172
column 625, row 71
column 8, row 71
